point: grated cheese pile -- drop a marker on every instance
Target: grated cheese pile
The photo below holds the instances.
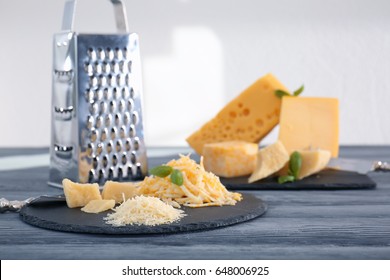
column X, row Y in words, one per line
column 141, row 210
column 200, row 188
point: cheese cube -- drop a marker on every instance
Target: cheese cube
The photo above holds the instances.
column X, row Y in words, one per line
column 230, row 159
column 119, row 190
column 312, row 162
column 78, row 195
column 269, row 160
column 99, row 205
column 249, row 117
column 310, row 123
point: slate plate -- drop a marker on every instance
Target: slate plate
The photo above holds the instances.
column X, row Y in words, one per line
column 328, row 179
column 56, row 215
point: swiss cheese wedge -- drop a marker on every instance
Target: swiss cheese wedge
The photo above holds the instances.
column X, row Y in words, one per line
column 249, row 117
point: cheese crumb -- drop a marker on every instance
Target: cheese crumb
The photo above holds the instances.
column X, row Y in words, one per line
column 142, row 210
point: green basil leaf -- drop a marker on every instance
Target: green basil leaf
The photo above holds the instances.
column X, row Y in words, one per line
column 161, row 171
column 299, row 91
column 177, row 177
column 295, row 164
column 280, row 93
column 285, row 179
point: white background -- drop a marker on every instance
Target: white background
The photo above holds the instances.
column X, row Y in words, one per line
column 199, row 54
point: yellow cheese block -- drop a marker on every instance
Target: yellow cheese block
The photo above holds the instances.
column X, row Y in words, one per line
column 249, row 117
column 230, row 159
column 313, row 161
column 269, row 161
column 310, row 123
column 119, row 190
column 78, row 195
column 99, row 205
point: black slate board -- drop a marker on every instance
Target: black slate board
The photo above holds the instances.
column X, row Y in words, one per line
column 328, row 179
column 56, row 215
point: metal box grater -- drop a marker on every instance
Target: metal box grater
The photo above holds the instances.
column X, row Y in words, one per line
column 97, row 129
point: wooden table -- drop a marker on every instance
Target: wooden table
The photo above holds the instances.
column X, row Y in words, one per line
column 343, row 224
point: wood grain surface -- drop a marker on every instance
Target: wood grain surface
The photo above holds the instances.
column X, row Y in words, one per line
column 304, row 224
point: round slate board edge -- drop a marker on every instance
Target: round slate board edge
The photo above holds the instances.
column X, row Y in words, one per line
column 162, row 229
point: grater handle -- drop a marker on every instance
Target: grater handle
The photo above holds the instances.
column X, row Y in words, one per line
column 119, row 13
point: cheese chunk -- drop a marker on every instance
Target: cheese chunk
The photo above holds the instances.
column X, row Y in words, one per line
column 312, row 162
column 310, row 123
column 99, row 205
column 230, row 159
column 249, row 117
column 119, row 190
column 269, row 160
column 78, row 195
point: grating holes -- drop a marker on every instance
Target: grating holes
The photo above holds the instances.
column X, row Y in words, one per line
column 110, row 175
column 99, row 121
column 109, row 54
column 89, row 122
column 122, row 105
column 117, row 119
column 129, row 66
column 122, row 132
column 99, row 149
column 101, row 54
column 109, row 147
column 126, row 118
column 102, row 81
column 107, row 93
column 120, row 174
column 136, row 144
column 90, row 149
column 114, row 160
column 103, row 135
column 132, row 93
column 130, row 104
column 91, row 176
column 133, row 158
column 118, row 145
column 108, row 120
column 113, row 133
column 128, row 145
column 134, row 117
column 94, row 135
column 124, row 158
column 103, row 107
column 112, row 106
column 88, row 68
column 95, row 162
column 131, row 130
column 93, row 82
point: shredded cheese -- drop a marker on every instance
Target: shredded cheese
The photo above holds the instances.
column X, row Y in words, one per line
column 142, row 210
column 200, row 188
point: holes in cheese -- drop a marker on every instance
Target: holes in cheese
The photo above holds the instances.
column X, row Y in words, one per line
column 310, row 123
column 230, row 159
column 99, row 205
column 249, row 117
column 269, row 161
column 78, row 195
column 313, row 161
column 119, row 191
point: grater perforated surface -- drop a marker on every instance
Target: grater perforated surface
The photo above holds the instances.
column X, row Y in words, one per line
column 111, row 138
